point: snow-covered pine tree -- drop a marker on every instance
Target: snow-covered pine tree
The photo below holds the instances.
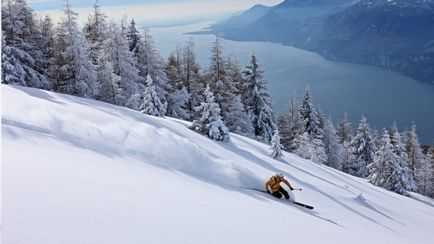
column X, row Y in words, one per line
column 311, row 125
column 152, row 104
column 431, row 161
column 108, row 81
column 73, row 70
column 258, row 102
column 284, row 129
column 211, row 123
column 321, row 119
column 46, row 29
column 305, row 147
column 224, row 76
column 276, row 147
column 377, row 137
column 404, row 162
column 122, row 62
column 233, row 111
column 309, row 116
column 385, row 171
column 217, row 71
column 192, row 78
column 21, row 48
column 344, row 131
column 344, row 134
column 295, row 125
column 413, row 148
column 133, row 37
column 417, row 160
column 362, row 149
column 177, row 94
column 425, row 177
column 149, row 62
column 95, row 31
column 12, row 71
column 333, row 147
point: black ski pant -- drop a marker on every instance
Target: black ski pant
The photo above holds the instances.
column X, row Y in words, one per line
column 279, row 193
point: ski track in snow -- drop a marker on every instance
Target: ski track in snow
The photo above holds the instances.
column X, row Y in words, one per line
column 80, row 171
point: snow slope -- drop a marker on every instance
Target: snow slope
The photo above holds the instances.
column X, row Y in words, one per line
column 81, row 171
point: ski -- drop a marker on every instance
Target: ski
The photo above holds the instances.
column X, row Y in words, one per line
column 303, row 205
column 294, row 202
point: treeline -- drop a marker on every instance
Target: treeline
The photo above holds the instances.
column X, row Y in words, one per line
column 115, row 63
column 385, row 158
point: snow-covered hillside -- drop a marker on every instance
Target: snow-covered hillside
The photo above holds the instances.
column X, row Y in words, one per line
column 81, row 171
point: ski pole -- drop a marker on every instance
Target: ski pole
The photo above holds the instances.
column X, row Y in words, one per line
column 297, row 189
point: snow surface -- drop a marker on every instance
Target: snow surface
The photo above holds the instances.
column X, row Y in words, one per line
column 81, row 171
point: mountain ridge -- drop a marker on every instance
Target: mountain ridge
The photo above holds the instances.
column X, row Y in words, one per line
column 394, row 34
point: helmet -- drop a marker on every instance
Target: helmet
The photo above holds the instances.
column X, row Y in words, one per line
column 280, row 174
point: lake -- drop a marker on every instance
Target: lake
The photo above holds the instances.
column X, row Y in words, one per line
column 338, row 87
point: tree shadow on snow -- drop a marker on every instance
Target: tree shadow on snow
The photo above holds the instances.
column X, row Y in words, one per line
column 38, row 93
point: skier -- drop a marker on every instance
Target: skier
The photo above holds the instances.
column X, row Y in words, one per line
column 276, row 189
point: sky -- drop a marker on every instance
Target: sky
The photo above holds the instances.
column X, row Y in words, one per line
column 152, row 12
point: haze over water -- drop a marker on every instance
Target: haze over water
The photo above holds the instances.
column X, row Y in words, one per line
column 338, row 87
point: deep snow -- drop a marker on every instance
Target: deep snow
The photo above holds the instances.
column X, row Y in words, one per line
column 81, row 171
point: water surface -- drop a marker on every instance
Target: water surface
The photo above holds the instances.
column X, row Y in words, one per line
column 381, row 95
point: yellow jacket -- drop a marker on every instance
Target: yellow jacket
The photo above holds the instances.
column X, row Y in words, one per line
column 274, row 183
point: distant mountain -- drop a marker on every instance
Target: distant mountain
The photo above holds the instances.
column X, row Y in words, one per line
column 243, row 19
column 396, row 34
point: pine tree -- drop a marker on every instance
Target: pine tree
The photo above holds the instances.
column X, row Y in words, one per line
column 362, row 149
column 108, row 81
column 311, row 125
column 21, row 46
column 344, row 134
column 284, row 129
column 385, row 171
column 295, row 125
column 149, row 62
column 276, row 147
column 344, row 131
column 258, row 102
column 305, row 147
column 404, row 162
column 211, row 123
column 73, row 71
column 333, row 147
column 152, row 104
column 425, row 177
column 309, row 116
column 177, row 94
column 95, row 31
column 46, row 44
column 225, row 76
column 192, row 79
column 134, row 38
column 217, row 71
column 126, row 76
column 12, row 71
column 233, row 111
column 431, row 163
column 417, row 160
